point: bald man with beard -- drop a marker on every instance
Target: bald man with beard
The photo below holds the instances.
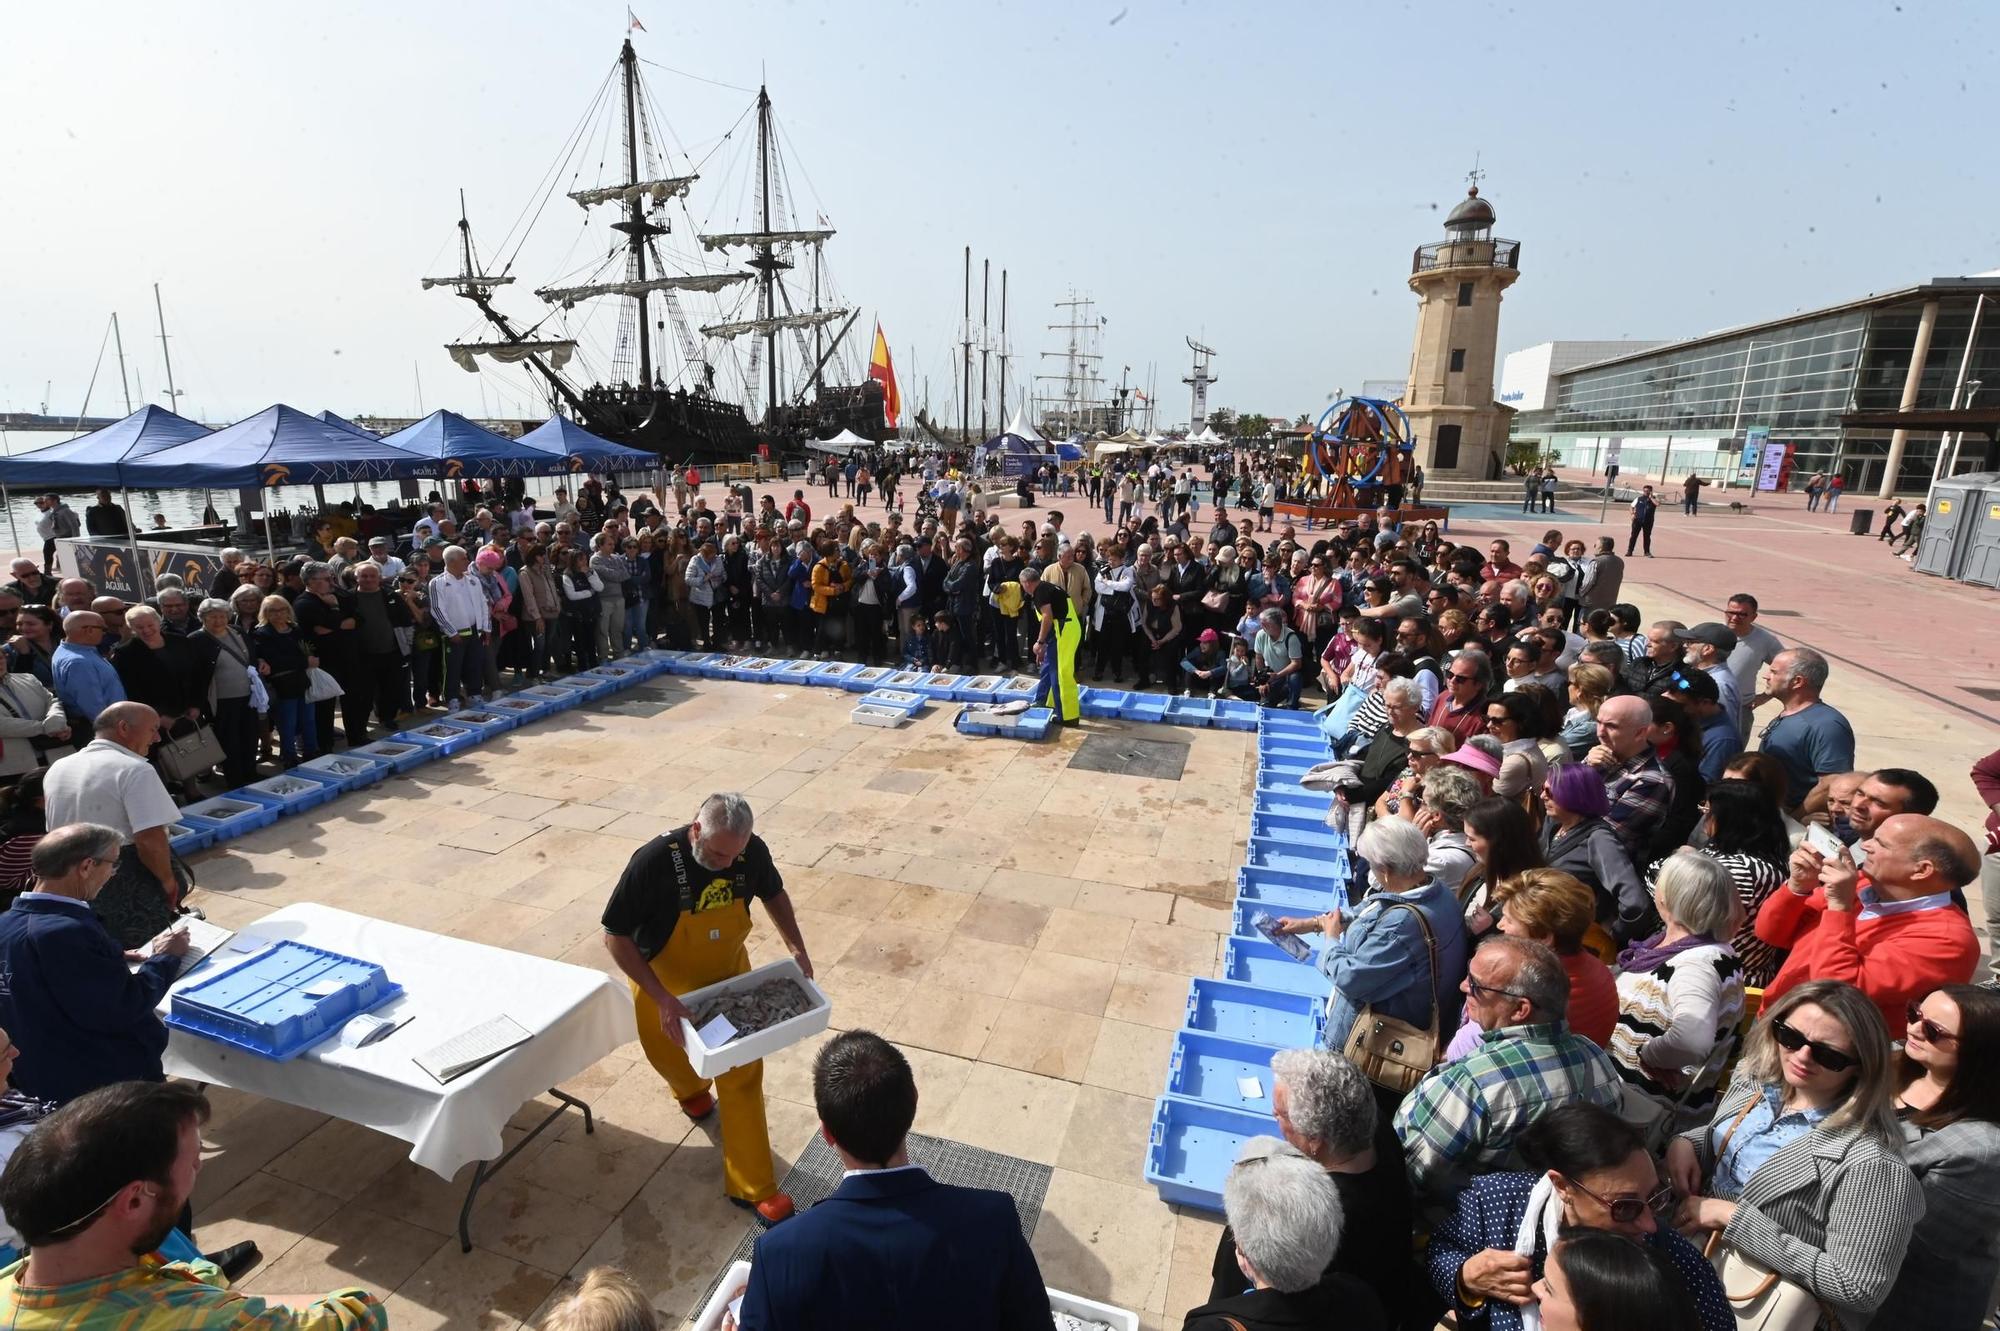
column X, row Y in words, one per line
column 1640, row 788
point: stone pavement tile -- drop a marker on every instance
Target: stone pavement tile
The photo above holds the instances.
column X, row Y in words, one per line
column 542, row 1226
column 909, row 836
column 862, row 860
column 271, row 1212
column 558, row 885
column 1031, row 888
column 475, row 1291
column 861, row 999
column 577, row 849
column 634, row 1110
column 488, row 835
column 997, row 920
column 675, row 1233
column 1129, row 1057
column 1036, row 854
column 1108, row 1134
column 903, row 783
column 1047, row 1041
column 489, row 876
column 1205, row 880
column 498, row 922
column 587, row 1085
column 895, row 950
column 641, row 826
column 950, row 1021
column 928, row 907
column 416, row 1196
column 772, row 788
column 583, row 817
column 1113, row 866
column 950, row 875
column 509, row 804
column 1132, row 904
column 1191, row 1264
column 1074, row 984
column 1106, row 1241
column 339, row 1157
column 580, row 921
column 828, row 936
column 1074, row 933
column 1149, row 998
column 606, row 1180
column 354, row 1246
column 239, row 1142
column 1193, row 914
column 1012, row 1112
column 788, row 1072
column 977, row 966
column 941, row 1080
column 845, row 893
column 1171, row 947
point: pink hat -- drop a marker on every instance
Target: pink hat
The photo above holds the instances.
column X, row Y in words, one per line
column 1208, row 635
column 1465, row 755
column 489, row 559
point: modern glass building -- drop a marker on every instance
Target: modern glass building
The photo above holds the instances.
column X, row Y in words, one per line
column 1828, row 386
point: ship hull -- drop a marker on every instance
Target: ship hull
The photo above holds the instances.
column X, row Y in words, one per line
column 693, row 427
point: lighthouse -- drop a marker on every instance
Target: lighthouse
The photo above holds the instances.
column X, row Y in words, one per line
column 1460, row 430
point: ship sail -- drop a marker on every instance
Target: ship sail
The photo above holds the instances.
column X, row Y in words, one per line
column 568, row 296
column 510, row 353
column 803, row 319
column 659, row 191
column 466, row 280
column 727, row 238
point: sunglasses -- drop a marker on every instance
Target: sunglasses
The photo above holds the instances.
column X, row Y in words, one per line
column 1933, row 1033
column 1791, row 1041
column 1457, row 678
column 1478, row 990
column 1493, row 721
column 1625, row 1210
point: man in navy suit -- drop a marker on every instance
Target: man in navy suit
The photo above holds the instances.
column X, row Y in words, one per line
column 892, row 1248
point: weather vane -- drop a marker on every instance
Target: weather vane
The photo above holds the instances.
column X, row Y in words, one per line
column 1475, row 175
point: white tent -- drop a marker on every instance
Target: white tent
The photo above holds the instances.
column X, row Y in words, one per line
column 1019, row 426
column 844, row 442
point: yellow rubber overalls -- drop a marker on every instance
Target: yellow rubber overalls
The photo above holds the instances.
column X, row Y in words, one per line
column 705, row 947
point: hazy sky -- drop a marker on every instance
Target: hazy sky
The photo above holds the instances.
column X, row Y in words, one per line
column 1252, row 173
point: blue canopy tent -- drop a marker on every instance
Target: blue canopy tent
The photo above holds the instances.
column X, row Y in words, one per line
column 280, row 445
column 462, row 448
column 334, row 418
column 1069, row 452
column 569, row 447
column 91, row 461
column 1016, row 456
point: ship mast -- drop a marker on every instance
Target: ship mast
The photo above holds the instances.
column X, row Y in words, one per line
column 766, row 262
column 635, row 227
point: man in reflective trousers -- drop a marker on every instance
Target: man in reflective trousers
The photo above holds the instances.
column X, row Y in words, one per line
column 676, row 922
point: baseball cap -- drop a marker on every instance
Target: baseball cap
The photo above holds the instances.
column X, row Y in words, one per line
column 374, row 541
column 1719, row 636
column 1208, row 635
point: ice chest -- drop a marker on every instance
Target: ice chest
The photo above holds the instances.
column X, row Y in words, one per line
column 1209, row 1067
column 708, row 1062
column 349, row 771
column 230, row 815
column 1194, row 1145
column 1258, row 1016
column 1262, row 963
column 901, row 700
column 400, row 754
column 282, row 1002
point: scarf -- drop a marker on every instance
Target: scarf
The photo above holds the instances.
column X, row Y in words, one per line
column 1539, row 1226
column 1650, row 954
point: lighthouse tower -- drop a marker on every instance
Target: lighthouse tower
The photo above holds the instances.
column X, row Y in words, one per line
column 1460, row 430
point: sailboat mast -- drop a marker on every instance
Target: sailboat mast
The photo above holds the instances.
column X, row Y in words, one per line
column 1003, row 344
column 464, row 239
column 123, row 382
column 173, row 394
column 965, row 397
column 769, row 265
column 985, row 301
column 636, row 226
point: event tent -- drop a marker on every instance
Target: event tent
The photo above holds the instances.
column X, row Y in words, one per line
column 844, row 442
column 1020, row 428
column 570, row 447
column 280, row 445
column 95, row 460
column 334, row 418
column 463, row 448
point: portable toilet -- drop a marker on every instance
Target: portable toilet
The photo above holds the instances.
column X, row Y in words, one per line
column 1954, row 515
column 1979, row 550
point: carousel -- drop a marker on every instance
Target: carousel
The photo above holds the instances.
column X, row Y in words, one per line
column 1360, row 456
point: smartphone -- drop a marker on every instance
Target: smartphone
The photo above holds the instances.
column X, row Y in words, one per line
column 1293, row 946
column 1823, row 841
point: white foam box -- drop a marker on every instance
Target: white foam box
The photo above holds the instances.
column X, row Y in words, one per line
column 749, row 1048
column 875, row 714
column 736, row 1278
column 1075, row 1305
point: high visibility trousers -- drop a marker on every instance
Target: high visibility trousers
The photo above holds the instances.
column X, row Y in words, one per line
column 1058, row 687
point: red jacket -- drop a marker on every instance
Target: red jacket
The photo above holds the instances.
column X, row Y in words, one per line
column 1986, row 780
column 1894, row 959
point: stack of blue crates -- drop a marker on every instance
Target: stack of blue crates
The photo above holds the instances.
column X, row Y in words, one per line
column 1218, row 1090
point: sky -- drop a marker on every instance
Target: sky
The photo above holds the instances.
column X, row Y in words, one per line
column 1252, row 174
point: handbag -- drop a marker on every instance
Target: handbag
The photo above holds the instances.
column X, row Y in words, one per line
column 322, row 687
column 1761, row 1299
column 1389, row 1051
column 1216, row 602
column 183, row 757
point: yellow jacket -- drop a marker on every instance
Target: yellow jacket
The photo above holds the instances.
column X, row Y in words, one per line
column 826, row 584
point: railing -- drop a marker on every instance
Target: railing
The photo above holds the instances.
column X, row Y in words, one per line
column 1461, row 254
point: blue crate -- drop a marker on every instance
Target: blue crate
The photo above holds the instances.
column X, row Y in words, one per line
column 1102, row 703
column 1315, row 750
column 288, row 793
column 793, row 672
column 708, row 665
column 230, row 816
column 1243, row 915
column 440, row 738
column 187, row 838
column 901, row 700
column 1191, row 712
column 1260, row 1016
column 347, row 771
column 400, row 754
column 831, row 674
column 1193, row 1146
column 1205, row 1067
column 1320, row 878
column 1260, row 962
column 1235, row 714
column 1267, row 853
column 488, row 721
column 1034, row 724
column 1301, row 804
column 522, row 710
column 1147, row 707
column 1270, row 773
column 617, row 674
column 264, row 1005
column 866, row 680
column 1297, row 833
column 587, row 686
column 1018, row 688
column 749, row 669
column 1285, row 719
column 664, row 658
column 1280, row 899
column 940, row 685
column 557, row 697
column 980, row 688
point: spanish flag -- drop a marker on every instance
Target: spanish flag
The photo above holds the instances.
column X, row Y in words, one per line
column 883, row 371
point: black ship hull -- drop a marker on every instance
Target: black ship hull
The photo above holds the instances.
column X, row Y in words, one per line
column 684, row 426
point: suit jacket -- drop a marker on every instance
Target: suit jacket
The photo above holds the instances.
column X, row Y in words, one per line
column 1954, row 1258
column 81, row 1019
column 1832, row 1211
column 897, row 1251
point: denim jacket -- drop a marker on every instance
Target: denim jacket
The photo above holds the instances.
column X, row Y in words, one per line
column 1379, row 959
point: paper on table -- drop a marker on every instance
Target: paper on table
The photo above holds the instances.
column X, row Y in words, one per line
column 468, row 1049
column 1250, row 1088
column 203, row 938
column 718, row 1032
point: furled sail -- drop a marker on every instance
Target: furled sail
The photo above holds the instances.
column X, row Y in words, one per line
column 466, row 280
column 728, row 238
column 658, row 190
column 567, row 296
column 509, row 353
column 805, row 319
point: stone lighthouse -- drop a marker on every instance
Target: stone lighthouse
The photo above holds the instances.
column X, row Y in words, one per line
column 1460, row 430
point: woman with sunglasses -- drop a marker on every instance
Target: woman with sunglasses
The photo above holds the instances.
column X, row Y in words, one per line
column 1588, row 1169
column 1426, row 746
column 1515, row 719
column 1950, row 1106
column 1801, row 1170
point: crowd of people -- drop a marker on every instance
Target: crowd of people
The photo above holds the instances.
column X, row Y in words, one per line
column 1643, row 996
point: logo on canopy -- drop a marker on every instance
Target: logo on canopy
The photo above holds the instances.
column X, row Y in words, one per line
column 114, row 567
column 277, row 473
column 575, row 463
column 454, row 468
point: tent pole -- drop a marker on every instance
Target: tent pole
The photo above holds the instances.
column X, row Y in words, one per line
column 132, row 537
column 11, row 529
column 270, row 550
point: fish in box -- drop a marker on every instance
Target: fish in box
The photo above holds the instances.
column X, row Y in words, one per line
column 866, row 679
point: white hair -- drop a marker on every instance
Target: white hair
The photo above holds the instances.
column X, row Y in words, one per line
column 1284, row 1213
column 1394, row 846
column 1697, row 892
column 1328, row 1098
column 1514, row 587
column 1404, row 691
column 726, row 811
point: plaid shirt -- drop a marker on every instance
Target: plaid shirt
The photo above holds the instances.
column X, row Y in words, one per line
column 1463, row 1118
column 177, row 1296
column 1641, row 792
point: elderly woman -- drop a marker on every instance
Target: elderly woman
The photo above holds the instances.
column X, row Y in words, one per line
column 236, row 721
column 1387, row 754
column 1326, row 1109
column 1438, row 808
column 1579, row 839
column 1401, row 953
column 1589, row 686
column 1680, row 996
column 29, row 714
column 1286, row 1221
column 1801, row 1170
column 170, row 675
column 280, row 645
column 1744, row 832
column 1422, row 749
column 706, row 579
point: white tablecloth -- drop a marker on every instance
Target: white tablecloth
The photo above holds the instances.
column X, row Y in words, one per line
column 576, row 1015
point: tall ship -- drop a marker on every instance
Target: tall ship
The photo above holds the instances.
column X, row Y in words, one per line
column 759, row 360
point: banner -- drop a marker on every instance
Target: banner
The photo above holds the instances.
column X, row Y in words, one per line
column 1754, row 440
column 1775, row 469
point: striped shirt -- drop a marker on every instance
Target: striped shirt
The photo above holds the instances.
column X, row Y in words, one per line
column 1755, row 879
column 173, row 1296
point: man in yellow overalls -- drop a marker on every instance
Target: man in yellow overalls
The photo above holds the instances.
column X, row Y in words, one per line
column 676, row 922
column 1056, row 641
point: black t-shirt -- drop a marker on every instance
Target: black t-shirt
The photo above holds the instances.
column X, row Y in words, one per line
column 1053, row 598
column 663, row 878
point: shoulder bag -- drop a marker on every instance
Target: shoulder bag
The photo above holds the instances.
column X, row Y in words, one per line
column 1389, row 1051
column 1761, row 1299
column 184, row 757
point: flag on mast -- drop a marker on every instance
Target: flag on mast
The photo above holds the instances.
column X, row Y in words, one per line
column 883, row 371
column 633, row 20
